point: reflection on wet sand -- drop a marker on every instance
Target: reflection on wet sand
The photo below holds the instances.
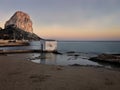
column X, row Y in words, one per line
column 51, row 58
column 45, row 58
column 65, row 59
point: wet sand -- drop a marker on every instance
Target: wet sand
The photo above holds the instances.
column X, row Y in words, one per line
column 26, row 75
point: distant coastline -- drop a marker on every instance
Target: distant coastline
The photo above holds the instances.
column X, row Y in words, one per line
column 88, row 41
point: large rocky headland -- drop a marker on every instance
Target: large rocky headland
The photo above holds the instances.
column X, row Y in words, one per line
column 18, row 27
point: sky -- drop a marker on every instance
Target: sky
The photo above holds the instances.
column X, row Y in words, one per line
column 68, row 19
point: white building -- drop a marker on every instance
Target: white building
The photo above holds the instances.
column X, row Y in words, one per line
column 48, row 45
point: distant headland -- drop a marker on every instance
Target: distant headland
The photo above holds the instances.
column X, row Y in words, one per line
column 18, row 27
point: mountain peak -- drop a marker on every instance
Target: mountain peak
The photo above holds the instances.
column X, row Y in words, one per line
column 21, row 20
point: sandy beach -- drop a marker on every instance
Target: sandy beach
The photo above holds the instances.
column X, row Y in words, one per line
column 26, row 75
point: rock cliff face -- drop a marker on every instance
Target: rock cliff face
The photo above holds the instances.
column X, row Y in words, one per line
column 18, row 27
column 20, row 20
column 13, row 33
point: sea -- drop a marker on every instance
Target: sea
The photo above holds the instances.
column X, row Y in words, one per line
column 110, row 47
column 72, row 52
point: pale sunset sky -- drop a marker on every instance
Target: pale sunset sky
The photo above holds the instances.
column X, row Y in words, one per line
column 68, row 19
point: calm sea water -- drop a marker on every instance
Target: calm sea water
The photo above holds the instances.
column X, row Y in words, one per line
column 90, row 47
column 85, row 47
column 82, row 52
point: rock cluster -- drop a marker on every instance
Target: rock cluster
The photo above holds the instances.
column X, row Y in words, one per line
column 109, row 58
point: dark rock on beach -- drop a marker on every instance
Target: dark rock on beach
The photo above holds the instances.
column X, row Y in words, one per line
column 109, row 58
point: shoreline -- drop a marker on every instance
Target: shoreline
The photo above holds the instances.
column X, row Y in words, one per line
column 26, row 75
column 13, row 43
column 26, row 51
column 103, row 59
